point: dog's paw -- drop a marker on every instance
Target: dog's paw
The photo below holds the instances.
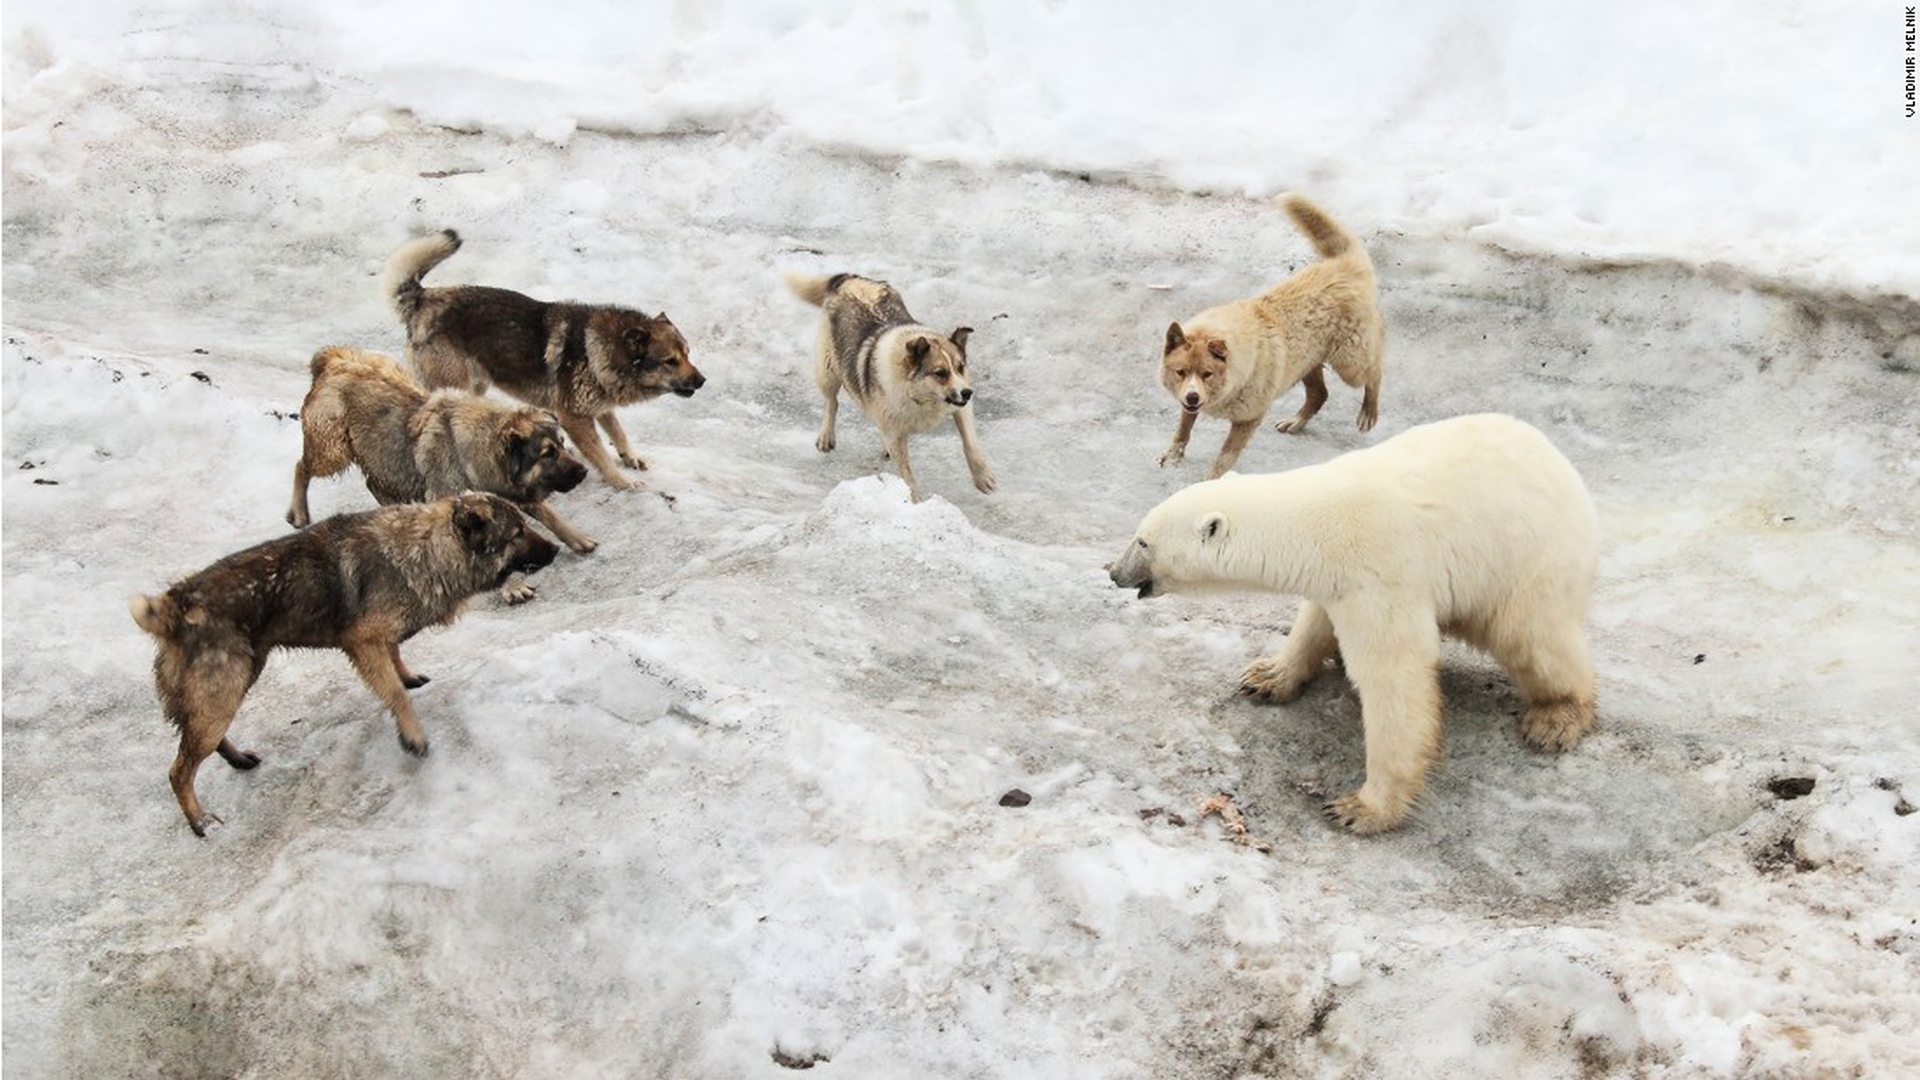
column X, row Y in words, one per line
column 415, row 682
column 200, row 827
column 1355, row 814
column 584, row 545
column 984, row 480
column 516, row 592
column 1292, row 425
column 623, row 482
column 824, row 444
column 1175, row 454
column 416, row 747
column 1365, row 420
column 244, row 760
column 632, row 461
column 297, row 519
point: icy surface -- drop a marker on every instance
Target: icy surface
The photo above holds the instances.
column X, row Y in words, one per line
column 724, row 800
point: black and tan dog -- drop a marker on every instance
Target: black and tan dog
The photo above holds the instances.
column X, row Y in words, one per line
column 580, row 360
column 361, row 583
column 411, row 446
column 907, row 377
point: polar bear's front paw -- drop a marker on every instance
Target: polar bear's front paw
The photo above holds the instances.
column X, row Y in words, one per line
column 1556, row 725
column 1358, row 814
column 1274, row 680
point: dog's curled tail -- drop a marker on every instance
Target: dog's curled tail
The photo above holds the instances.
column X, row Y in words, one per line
column 1328, row 236
column 811, row 289
column 406, row 267
column 157, row 615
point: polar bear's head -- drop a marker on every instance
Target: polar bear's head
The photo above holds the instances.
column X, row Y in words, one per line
column 1185, row 543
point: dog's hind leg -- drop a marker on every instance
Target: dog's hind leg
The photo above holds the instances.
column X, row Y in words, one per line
column 412, row 680
column 323, row 450
column 828, row 380
column 213, row 689
column 1369, row 406
column 1316, row 383
column 587, row 440
column 373, row 657
column 610, row 424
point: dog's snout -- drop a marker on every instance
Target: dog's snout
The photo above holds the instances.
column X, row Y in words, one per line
column 966, row 395
column 570, row 475
column 1193, row 400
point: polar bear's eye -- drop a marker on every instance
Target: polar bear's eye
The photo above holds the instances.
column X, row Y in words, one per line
column 1140, row 542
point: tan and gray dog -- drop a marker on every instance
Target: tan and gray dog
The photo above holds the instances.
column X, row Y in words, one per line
column 907, row 377
column 580, row 360
column 411, row 446
column 1231, row 361
column 361, row 583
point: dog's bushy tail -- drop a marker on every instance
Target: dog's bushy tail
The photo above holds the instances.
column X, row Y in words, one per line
column 401, row 283
column 811, row 289
column 157, row 615
column 1328, row 237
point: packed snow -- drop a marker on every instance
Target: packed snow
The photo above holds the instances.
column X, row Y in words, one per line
column 725, row 800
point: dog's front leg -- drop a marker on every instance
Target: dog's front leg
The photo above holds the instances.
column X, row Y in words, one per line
column 580, row 429
column 621, row 448
column 970, row 446
column 1178, row 451
column 1316, row 383
column 373, row 658
column 1237, row 438
column 580, row 542
column 897, row 450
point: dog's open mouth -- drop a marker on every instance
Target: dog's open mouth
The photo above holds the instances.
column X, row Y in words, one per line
column 684, row 391
column 1190, row 410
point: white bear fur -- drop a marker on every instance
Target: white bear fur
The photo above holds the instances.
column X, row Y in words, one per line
column 1476, row 527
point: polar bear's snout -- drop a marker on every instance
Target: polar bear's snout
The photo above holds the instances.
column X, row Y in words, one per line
column 1134, row 569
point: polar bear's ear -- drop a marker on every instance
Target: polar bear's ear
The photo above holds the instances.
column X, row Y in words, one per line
column 1213, row 527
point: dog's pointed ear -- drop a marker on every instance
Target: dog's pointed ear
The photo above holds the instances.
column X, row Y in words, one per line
column 1213, row 528
column 1218, row 348
column 634, row 339
column 917, row 350
column 1175, row 337
column 959, row 338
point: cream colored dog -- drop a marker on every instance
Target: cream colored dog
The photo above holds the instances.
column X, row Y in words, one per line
column 1231, row 361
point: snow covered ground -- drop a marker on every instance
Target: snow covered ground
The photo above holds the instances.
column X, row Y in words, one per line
column 725, row 800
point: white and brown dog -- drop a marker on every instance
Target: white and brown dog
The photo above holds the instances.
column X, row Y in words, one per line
column 1231, row 361
column 907, row 377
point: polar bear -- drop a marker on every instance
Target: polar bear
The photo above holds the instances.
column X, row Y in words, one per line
column 1474, row 527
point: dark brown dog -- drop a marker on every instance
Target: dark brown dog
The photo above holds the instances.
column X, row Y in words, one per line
column 580, row 360
column 361, row 583
column 411, row 446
